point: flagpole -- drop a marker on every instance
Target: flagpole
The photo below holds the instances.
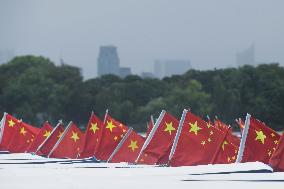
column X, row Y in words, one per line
column 151, row 134
column 105, row 116
column 2, row 126
column 120, row 144
column 243, row 140
column 60, row 139
column 46, row 139
column 177, row 135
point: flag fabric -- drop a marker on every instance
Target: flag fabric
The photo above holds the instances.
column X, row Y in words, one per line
column 240, row 123
column 260, row 143
column 197, row 143
column 9, row 125
column 68, row 145
column 277, row 159
column 22, row 138
column 113, row 132
column 158, row 148
column 44, row 132
column 130, row 149
column 47, row 145
column 90, row 141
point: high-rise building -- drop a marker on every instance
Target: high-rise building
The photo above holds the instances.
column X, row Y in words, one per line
column 167, row 68
column 246, row 57
column 108, row 61
column 124, row 71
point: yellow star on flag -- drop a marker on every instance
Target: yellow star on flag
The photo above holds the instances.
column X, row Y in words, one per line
column 23, row 131
column 110, row 126
column 169, row 128
column 60, row 134
column 11, row 123
column 46, row 133
column 133, row 145
column 75, row 136
column 94, row 127
column 194, row 128
column 203, row 142
column 223, row 145
column 260, row 136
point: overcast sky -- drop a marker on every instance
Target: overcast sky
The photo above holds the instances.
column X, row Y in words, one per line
column 209, row 33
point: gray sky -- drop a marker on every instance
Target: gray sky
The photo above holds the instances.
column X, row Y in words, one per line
column 209, row 33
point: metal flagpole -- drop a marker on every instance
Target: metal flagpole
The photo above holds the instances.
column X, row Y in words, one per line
column 177, row 134
column 105, row 116
column 120, row 144
column 47, row 138
column 2, row 126
column 60, row 139
column 151, row 134
column 243, row 140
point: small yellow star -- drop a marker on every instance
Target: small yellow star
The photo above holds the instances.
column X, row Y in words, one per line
column 11, row 123
column 272, row 134
column 94, row 127
column 115, row 138
column 211, row 132
column 133, row 145
column 110, row 125
column 46, row 133
column 260, row 136
column 60, row 134
column 169, row 128
column 223, row 145
column 276, row 142
column 209, row 125
column 75, row 136
column 194, row 128
column 269, row 153
column 234, row 157
column 209, row 140
column 23, row 131
column 229, row 159
column 203, row 142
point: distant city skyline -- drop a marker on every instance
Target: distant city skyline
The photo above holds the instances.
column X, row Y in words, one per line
column 208, row 33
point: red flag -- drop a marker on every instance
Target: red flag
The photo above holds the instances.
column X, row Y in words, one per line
column 9, row 125
column 261, row 142
column 277, row 159
column 197, row 143
column 40, row 137
column 23, row 136
column 113, row 132
column 158, row 149
column 130, row 149
column 50, row 141
column 91, row 139
column 68, row 146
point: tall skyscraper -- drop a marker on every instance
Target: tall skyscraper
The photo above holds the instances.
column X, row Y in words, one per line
column 164, row 68
column 108, row 61
column 246, row 57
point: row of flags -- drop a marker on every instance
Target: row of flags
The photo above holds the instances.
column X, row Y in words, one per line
column 168, row 141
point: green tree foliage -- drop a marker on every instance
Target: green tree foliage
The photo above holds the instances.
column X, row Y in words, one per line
column 35, row 89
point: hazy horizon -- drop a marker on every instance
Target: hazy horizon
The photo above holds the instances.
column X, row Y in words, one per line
column 208, row 33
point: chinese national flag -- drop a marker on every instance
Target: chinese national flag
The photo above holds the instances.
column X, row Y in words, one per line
column 260, row 143
column 198, row 142
column 158, row 149
column 277, row 159
column 23, row 136
column 69, row 146
column 91, row 139
column 113, row 132
column 130, row 149
column 9, row 125
column 40, row 137
column 48, row 144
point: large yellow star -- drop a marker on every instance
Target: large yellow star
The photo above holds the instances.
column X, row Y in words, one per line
column 223, row 145
column 11, row 123
column 194, row 128
column 260, row 136
column 23, row 131
column 46, row 133
column 75, row 136
column 110, row 126
column 133, row 145
column 169, row 128
column 94, row 127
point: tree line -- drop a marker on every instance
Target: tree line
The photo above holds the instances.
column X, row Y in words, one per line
column 35, row 89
